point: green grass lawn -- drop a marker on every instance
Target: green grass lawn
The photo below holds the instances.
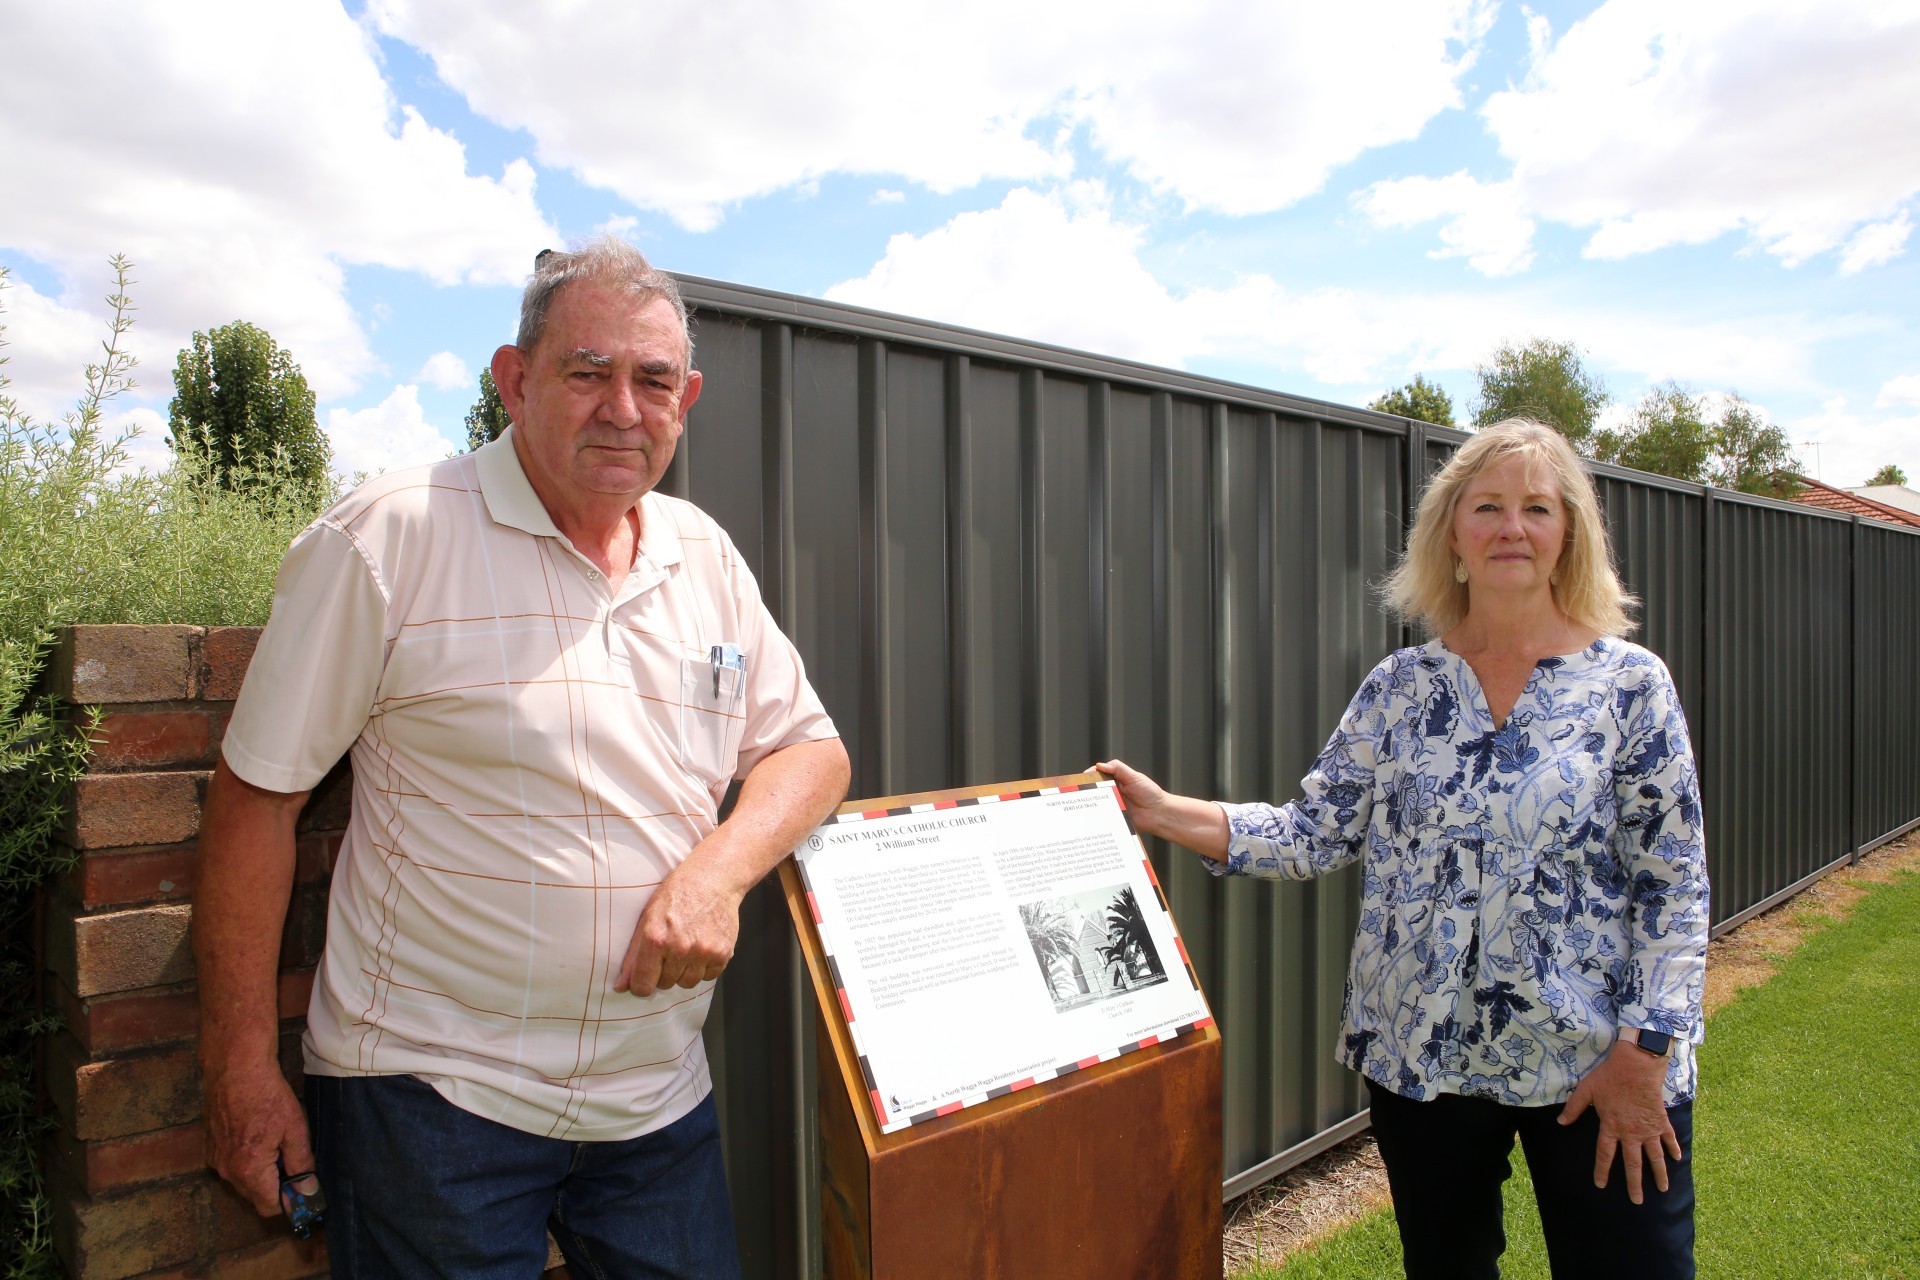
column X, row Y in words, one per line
column 1806, row 1131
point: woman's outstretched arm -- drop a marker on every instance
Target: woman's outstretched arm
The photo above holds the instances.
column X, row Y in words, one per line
column 1199, row 825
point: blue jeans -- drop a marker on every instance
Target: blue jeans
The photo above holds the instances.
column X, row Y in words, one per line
column 416, row 1187
column 1446, row 1159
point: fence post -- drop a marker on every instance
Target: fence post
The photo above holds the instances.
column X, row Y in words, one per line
column 1712, row 677
column 1415, row 483
column 1856, row 783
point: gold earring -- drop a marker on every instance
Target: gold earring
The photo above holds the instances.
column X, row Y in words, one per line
column 1459, row 570
column 1554, row 577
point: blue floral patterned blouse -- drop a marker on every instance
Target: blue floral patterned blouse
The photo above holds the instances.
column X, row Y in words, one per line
column 1529, row 888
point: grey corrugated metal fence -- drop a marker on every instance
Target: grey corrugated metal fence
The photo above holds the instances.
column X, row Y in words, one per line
column 1004, row 560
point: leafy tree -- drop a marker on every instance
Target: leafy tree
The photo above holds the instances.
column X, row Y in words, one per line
column 1751, row 454
column 242, row 402
column 1541, row 379
column 1673, row 432
column 488, row 417
column 1889, row 474
column 1419, row 399
column 1666, row 434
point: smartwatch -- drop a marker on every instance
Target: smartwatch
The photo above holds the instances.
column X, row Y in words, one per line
column 1656, row 1043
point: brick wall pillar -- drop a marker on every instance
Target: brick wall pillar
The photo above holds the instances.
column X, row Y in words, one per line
column 130, row 1191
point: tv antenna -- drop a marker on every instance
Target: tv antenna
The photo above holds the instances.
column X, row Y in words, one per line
column 1815, row 446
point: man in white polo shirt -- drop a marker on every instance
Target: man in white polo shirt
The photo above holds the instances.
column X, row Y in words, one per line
column 546, row 674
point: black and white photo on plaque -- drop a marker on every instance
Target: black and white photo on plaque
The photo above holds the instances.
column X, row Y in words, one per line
column 1092, row 945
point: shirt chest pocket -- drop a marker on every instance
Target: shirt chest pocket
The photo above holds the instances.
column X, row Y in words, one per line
column 713, row 703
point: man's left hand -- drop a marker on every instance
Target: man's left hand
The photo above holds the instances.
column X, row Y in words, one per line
column 688, row 928
column 1625, row 1092
column 686, row 933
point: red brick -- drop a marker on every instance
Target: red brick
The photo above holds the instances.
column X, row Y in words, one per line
column 331, row 801
column 124, row 664
column 224, row 655
column 233, row 1223
column 120, row 1096
column 316, row 850
column 112, row 876
column 165, row 739
column 116, row 809
column 293, row 1061
column 191, row 1271
column 130, row 1020
column 117, row 1236
column 117, row 1022
column 121, row 950
column 281, row 1259
column 296, row 990
column 115, row 1164
column 304, row 935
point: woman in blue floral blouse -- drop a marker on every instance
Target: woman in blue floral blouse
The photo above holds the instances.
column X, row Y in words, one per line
column 1521, row 794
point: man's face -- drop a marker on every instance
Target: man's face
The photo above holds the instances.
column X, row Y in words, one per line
column 601, row 401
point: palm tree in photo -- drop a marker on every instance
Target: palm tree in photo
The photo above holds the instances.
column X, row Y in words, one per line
column 1052, row 940
column 1128, row 939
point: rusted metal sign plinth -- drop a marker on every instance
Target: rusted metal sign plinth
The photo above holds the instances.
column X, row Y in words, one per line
column 1112, row 1172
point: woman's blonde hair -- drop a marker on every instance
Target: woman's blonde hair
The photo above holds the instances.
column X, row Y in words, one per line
column 1423, row 590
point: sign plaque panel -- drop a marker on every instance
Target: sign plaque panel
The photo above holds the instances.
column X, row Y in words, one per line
column 981, row 944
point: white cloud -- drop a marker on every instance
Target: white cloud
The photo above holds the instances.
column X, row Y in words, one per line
column 1487, row 223
column 1244, row 108
column 242, row 155
column 1902, row 390
column 1659, row 124
column 446, row 371
column 48, row 347
column 886, row 196
column 392, row 434
column 1852, row 445
column 142, row 434
column 1875, row 244
column 1054, row 265
column 1060, row 267
column 1220, row 105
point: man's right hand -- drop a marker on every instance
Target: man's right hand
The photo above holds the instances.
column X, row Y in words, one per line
column 240, row 897
column 253, row 1119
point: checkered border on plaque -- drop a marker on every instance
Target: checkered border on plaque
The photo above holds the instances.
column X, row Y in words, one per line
column 1065, row 1069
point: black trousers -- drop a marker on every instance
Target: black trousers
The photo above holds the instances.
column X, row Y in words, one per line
column 1446, row 1160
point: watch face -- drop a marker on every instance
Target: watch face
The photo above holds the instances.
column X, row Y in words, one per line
column 1656, row 1042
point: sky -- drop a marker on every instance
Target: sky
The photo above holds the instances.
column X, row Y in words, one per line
column 1324, row 200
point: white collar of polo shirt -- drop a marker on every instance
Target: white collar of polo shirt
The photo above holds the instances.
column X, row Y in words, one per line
column 511, row 501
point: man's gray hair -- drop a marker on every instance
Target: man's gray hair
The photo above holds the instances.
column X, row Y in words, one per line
column 604, row 260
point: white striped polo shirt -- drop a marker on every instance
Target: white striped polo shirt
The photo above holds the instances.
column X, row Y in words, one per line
column 532, row 753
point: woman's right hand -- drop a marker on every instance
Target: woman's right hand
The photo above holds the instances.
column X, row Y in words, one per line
column 1197, row 824
column 1140, row 792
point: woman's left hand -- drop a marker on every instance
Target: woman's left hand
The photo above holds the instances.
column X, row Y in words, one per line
column 1625, row 1091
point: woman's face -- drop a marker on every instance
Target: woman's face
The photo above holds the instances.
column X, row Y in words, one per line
column 1509, row 527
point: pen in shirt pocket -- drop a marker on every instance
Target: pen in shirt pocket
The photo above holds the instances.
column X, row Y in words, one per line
column 722, row 656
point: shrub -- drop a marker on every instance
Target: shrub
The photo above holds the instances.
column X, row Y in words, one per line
column 83, row 540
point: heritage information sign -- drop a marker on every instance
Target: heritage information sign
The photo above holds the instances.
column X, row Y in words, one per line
column 979, row 944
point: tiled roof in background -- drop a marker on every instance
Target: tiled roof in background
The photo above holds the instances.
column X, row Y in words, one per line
column 1815, row 494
